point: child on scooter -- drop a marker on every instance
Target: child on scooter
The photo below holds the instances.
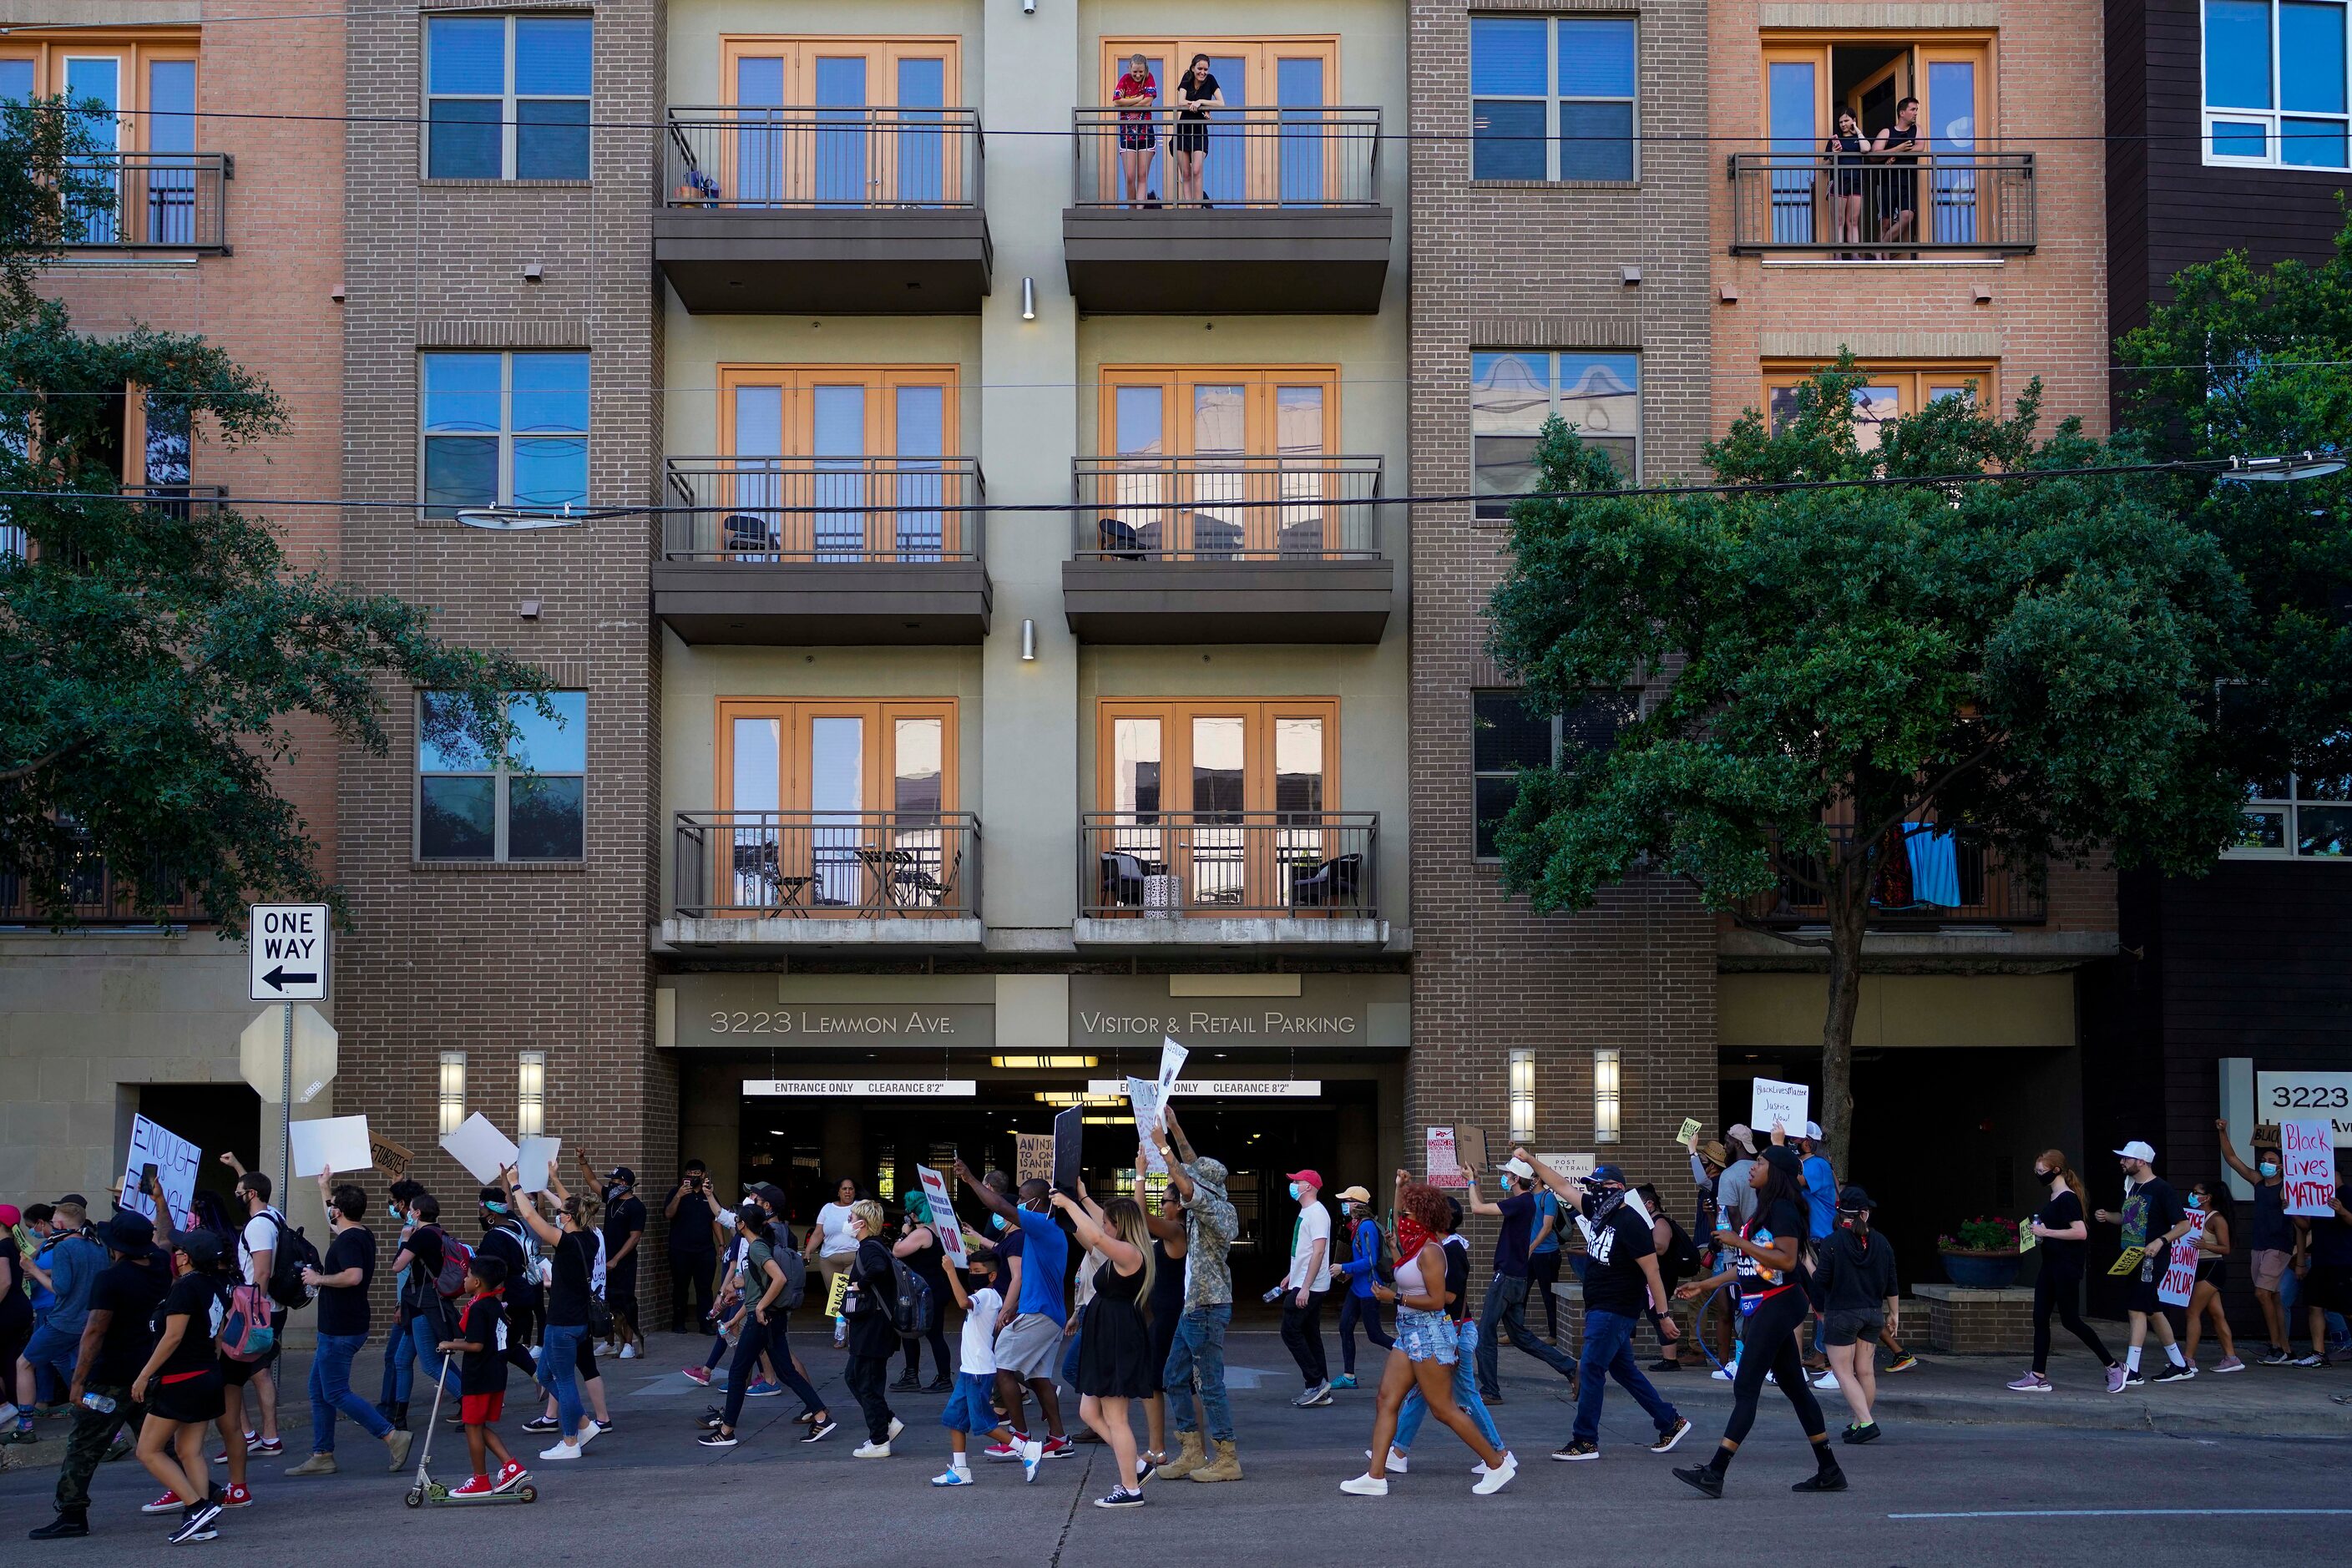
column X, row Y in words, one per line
column 481, row 1345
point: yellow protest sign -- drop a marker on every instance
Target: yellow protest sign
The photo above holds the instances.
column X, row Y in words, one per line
column 836, row 1294
column 2128, row 1261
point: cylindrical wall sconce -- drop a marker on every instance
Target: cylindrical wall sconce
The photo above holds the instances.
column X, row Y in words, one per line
column 1605, row 1095
column 531, row 1094
column 452, row 1091
column 1029, row 642
column 1523, row 1097
column 1028, row 298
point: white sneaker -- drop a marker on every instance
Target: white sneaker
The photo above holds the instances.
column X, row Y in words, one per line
column 1728, row 1371
column 870, row 1450
column 1495, row 1480
column 590, row 1431
column 1825, row 1380
column 896, row 1427
column 1399, row 1463
column 1366, row 1485
column 566, row 1450
column 603, row 1350
column 628, row 1353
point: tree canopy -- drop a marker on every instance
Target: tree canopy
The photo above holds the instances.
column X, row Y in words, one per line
column 156, row 648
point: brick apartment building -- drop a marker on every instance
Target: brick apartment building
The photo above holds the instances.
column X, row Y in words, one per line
column 228, row 226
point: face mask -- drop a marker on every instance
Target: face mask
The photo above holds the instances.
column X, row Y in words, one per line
column 997, row 1220
column 2042, row 1175
column 2196, row 1200
column 398, row 1213
column 1294, row 1192
column 2268, row 1167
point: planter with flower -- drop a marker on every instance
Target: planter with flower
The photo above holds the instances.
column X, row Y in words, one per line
column 1983, row 1255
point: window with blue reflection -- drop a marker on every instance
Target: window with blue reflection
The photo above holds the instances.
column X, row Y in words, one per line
column 2311, row 57
column 531, row 807
column 508, row 97
column 1553, row 98
column 504, row 429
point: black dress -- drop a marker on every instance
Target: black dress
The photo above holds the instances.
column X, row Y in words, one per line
column 1167, row 1304
column 1114, row 1344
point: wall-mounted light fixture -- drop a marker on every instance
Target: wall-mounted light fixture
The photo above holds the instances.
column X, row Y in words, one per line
column 1028, row 298
column 1605, row 1095
column 1028, row 642
column 531, row 1094
column 1523, row 1097
column 452, row 1091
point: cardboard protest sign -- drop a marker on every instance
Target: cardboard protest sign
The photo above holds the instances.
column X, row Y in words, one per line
column 1788, row 1104
column 2307, row 1165
column 1470, row 1147
column 836, row 1293
column 1172, row 1062
column 329, row 1143
column 943, row 1220
column 2026, row 1240
column 175, row 1160
column 535, row 1162
column 481, row 1148
column 2179, row 1277
column 2128, row 1262
column 1033, row 1157
column 1144, row 1096
column 1445, row 1168
column 1069, row 1138
column 388, row 1156
column 1689, row 1130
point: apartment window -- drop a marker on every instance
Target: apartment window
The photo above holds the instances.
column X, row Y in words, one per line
column 1552, row 98
column 1505, row 736
column 1891, row 391
column 531, row 1094
column 844, row 462
column 533, row 808
column 1513, row 392
column 507, row 97
column 452, row 1091
column 833, row 804
column 2275, row 83
column 2297, row 816
column 504, row 429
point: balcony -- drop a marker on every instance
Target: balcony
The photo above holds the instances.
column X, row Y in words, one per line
column 1230, row 879
column 162, row 201
column 1291, row 220
column 824, row 552
column 746, row 880
column 824, row 211
column 1966, row 204
column 1924, row 882
column 99, row 897
column 1277, row 549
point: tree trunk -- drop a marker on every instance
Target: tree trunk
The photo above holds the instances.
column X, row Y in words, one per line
column 1849, row 910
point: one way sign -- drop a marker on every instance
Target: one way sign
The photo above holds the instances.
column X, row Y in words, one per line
column 287, row 949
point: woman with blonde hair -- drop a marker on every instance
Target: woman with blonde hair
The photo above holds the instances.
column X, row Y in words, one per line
column 871, row 1310
column 1115, row 1365
column 1426, row 1348
column 572, row 1244
column 2062, row 1233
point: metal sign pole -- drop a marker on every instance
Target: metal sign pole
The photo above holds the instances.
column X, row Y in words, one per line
column 286, row 1104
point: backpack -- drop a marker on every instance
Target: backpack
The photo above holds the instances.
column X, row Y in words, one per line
column 522, row 1287
column 1680, row 1259
column 245, row 1332
column 292, row 1255
column 915, row 1312
column 456, row 1258
column 796, row 1269
column 1383, row 1266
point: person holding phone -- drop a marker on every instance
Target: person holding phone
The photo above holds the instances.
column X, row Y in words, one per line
column 694, row 1219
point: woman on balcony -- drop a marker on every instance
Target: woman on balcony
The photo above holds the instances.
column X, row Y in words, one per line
column 1197, row 94
column 1137, row 95
column 1849, row 151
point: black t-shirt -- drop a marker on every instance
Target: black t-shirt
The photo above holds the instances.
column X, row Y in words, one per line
column 574, row 1256
column 343, row 1309
column 485, row 1324
column 1457, row 1278
column 1785, row 1218
column 691, row 1231
column 422, row 1284
column 521, row 1287
column 624, row 1216
column 198, row 1296
column 1517, row 1233
column 1186, row 91
column 2063, row 1260
column 2164, row 1211
column 2331, row 1243
column 15, row 1307
column 1613, row 1281
column 132, row 1291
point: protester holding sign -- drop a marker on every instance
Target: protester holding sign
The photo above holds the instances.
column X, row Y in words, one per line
column 341, row 1283
column 571, row 1247
column 257, row 1252
column 1030, row 1325
column 832, row 1245
column 2324, row 1264
column 2212, row 1247
column 920, row 1250
column 1505, row 1309
column 2270, row 1234
column 1198, row 1360
column 1115, row 1356
column 2059, row 1229
column 2153, row 1218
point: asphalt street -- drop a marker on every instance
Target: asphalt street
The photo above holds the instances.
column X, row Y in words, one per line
column 1932, row 1491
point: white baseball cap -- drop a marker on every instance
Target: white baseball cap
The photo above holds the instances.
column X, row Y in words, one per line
column 2137, row 1149
column 1812, row 1132
column 1518, row 1167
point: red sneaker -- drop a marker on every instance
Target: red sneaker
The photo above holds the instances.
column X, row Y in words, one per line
column 479, row 1487
column 1002, row 1452
column 510, row 1474
column 1058, row 1447
column 168, row 1503
column 700, row 1374
column 237, row 1497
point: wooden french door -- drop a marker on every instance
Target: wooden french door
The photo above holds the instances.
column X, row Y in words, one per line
column 1195, row 441
column 839, row 463
column 835, row 807
column 1224, row 796
column 1807, row 85
column 1265, row 159
column 861, row 122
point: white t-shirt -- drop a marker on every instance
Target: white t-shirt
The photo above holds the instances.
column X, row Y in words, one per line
column 979, row 1352
column 834, row 1220
column 260, row 1235
column 1313, row 1226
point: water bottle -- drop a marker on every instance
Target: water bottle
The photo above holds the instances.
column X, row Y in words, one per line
column 102, row 1404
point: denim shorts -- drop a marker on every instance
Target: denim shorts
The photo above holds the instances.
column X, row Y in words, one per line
column 969, row 1409
column 1427, row 1336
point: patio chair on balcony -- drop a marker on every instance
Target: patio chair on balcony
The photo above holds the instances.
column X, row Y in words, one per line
column 1118, row 540
column 745, row 535
column 1334, row 884
column 1122, row 880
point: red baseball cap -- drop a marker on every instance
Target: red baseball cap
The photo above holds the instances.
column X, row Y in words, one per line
column 1308, row 1178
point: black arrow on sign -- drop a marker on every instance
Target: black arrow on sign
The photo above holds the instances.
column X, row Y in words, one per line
column 278, row 980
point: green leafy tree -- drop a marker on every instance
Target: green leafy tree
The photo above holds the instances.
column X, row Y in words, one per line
column 157, row 651
column 2028, row 661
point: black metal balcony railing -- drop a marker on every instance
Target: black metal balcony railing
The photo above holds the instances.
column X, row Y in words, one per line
column 175, row 503
column 162, row 201
column 1258, row 156
column 729, row 155
column 1871, row 207
column 825, row 510
column 819, row 865
column 1307, row 507
column 1918, row 880
column 1214, row 863
column 98, row 897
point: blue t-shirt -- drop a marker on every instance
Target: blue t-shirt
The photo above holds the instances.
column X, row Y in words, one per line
column 74, row 1264
column 1045, row 1250
column 1546, row 1205
column 1821, row 1196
